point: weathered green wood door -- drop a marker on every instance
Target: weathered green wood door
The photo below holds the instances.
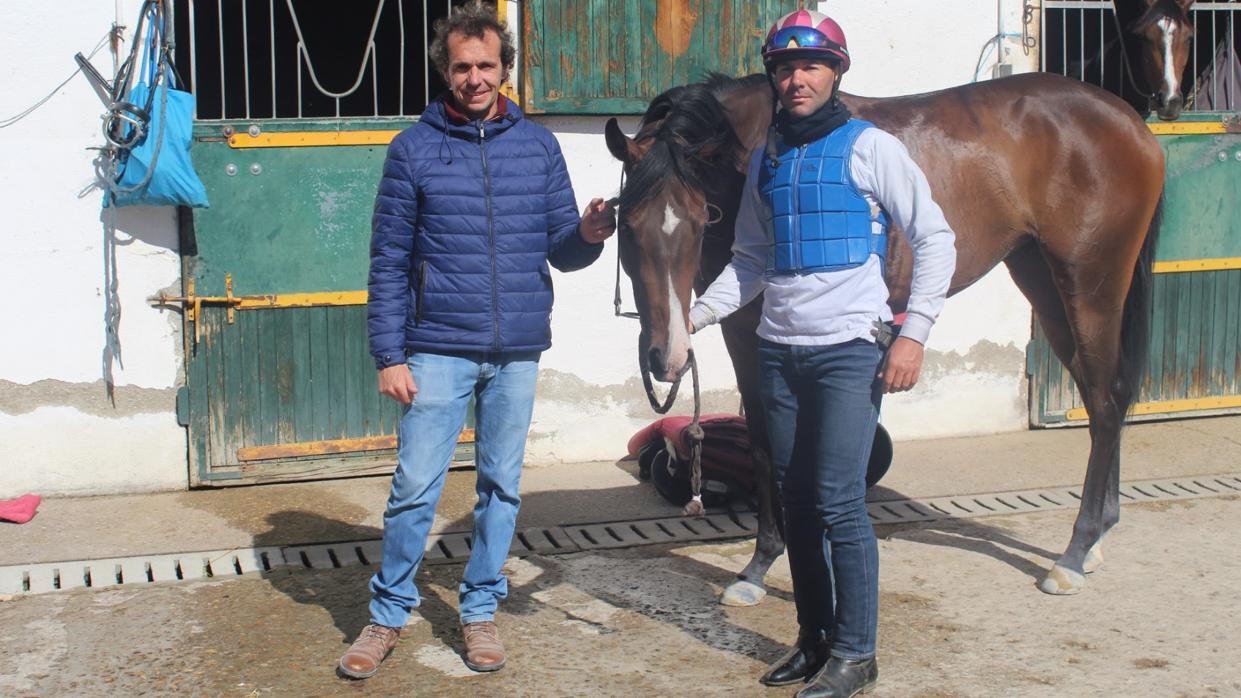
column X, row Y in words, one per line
column 280, row 384
column 1194, row 365
column 613, row 56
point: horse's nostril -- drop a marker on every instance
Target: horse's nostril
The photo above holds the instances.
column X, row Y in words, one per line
column 655, row 357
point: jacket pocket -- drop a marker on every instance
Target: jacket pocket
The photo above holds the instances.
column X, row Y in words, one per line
column 422, row 293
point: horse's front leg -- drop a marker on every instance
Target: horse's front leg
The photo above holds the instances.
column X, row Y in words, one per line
column 749, row 589
column 742, row 343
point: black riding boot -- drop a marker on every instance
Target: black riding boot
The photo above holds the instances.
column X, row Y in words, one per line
column 799, row 663
column 842, row 678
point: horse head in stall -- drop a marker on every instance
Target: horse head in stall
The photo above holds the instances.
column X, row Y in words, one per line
column 1160, row 33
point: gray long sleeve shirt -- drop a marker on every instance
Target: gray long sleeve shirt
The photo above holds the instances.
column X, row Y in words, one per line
column 837, row 306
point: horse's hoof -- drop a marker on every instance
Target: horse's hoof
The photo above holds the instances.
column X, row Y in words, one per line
column 742, row 593
column 1094, row 559
column 1062, row 581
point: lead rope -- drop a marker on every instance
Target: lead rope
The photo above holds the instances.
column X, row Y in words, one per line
column 694, row 506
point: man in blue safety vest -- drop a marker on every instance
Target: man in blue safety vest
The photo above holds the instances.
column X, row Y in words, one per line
column 811, row 236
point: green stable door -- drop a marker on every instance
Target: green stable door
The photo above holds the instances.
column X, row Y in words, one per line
column 280, row 384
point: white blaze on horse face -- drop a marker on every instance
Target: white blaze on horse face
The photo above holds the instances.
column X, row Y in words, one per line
column 1171, row 81
column 678, row 335
column 670, row 220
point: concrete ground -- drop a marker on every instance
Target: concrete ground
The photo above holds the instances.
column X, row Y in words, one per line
column 959, row 612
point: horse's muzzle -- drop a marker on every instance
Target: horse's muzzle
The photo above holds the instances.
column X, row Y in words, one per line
column 1171, row 110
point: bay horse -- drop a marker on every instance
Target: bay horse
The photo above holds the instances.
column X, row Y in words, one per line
column 1144, row 56
column 1059, row 180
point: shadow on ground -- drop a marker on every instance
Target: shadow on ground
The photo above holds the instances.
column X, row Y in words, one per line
column 344, row 596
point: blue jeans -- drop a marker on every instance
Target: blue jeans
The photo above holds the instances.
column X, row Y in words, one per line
column 821, row 404
column 503, row 389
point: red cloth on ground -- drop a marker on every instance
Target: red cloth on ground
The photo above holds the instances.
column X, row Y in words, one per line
column 725, row 446
column 19, row 510
column 672, row 428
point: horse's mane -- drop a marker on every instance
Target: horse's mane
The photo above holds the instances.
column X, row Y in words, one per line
column 688, row 126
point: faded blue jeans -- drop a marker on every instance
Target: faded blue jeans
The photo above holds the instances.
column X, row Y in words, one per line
column 821, row 404
column 502, row 385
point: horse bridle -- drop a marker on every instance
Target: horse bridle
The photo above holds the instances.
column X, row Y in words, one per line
column 696, row 435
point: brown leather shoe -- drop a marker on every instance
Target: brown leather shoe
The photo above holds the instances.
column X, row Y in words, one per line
column 372, row 647
column 483, row 649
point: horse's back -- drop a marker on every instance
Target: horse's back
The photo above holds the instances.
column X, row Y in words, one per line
column 1027, row 155
column 1006, row 107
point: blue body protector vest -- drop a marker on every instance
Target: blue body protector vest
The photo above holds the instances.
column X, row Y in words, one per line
column 818, row 219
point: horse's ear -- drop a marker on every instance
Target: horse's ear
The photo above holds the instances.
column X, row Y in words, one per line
column 1186, row 4
column 621, row 146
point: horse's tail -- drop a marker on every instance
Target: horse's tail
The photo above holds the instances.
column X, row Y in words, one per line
column 1136, row 321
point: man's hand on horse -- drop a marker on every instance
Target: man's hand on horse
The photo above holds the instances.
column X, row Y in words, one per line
column 598, row 221
column 398, row 383
column 901, row 365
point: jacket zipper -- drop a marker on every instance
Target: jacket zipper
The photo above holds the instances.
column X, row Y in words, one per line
column 491, row 241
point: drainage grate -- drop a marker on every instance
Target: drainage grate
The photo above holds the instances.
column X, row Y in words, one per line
column 1027, row 501
column 455, row 547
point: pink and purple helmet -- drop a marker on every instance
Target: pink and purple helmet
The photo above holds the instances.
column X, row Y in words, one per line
column 806, row 34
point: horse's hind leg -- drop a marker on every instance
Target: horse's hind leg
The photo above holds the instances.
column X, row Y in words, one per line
column 1097, row 362
column 742, row 344
column 1085, row 337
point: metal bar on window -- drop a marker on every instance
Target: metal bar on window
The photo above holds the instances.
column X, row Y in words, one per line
column 400, row 14
column 426, row 63
column 193, row 59
column 1064, row 44
column 219, row 9
column 1042, row 32
column 299, row 78
column 1232, row 61
column 245, row 52
column 271, row 16
column 1213, row 63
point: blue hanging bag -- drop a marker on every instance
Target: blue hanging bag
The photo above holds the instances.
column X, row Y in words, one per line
column 156, row 170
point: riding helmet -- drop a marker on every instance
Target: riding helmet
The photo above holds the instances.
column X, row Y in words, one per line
column 806, row 34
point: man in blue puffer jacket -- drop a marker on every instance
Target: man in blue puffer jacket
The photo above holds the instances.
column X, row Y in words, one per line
column 474, row 203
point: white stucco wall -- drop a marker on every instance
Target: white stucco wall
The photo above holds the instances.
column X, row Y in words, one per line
column 59, row 434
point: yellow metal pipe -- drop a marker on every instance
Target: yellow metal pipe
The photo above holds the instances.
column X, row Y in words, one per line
column 1225, row 402
column 302, row 300
column 1183, row 265
column 311, row 139
column 1189, row 128
column 324, row 448
column 319, row 139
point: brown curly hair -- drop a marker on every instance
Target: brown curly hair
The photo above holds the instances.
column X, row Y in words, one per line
column 473, row 19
